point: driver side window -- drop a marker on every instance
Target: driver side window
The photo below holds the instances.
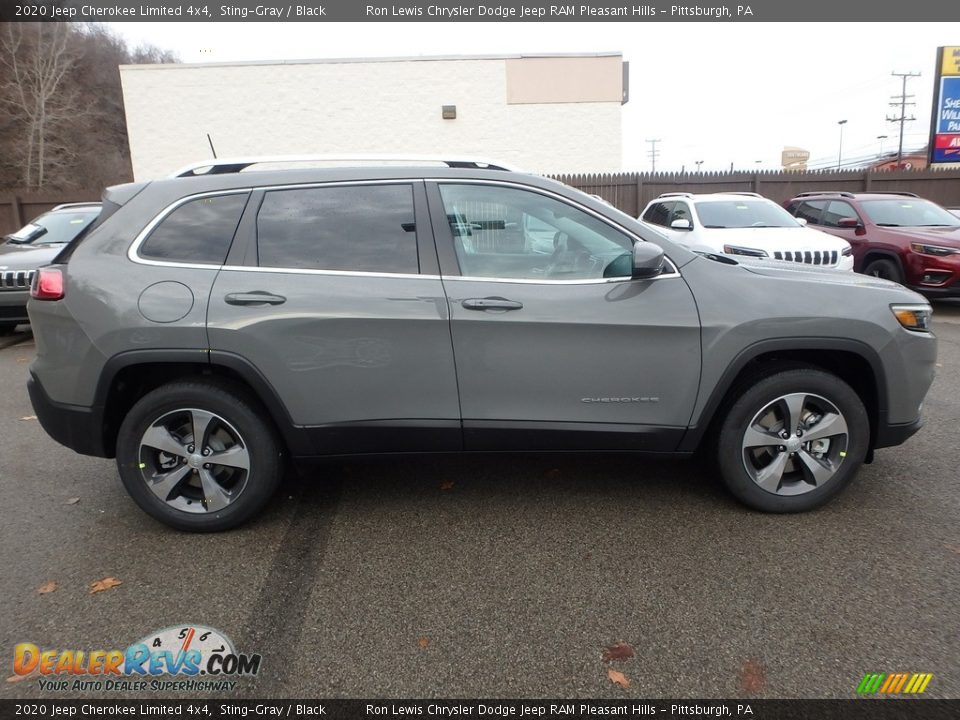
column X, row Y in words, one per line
column 503, row 232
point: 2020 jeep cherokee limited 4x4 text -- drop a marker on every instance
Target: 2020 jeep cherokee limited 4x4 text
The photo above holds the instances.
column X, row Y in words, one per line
column 210, row 327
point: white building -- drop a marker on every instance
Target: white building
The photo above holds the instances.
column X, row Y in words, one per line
column 544, row 113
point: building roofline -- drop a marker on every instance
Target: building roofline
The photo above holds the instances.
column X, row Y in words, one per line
column 342, row 61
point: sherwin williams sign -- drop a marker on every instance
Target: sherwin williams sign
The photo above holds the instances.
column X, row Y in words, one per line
column 945, row 135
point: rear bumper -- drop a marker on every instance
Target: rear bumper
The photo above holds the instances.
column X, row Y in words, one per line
column 78, row 428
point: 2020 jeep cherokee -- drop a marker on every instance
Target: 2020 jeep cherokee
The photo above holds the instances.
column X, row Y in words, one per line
column 209, row 327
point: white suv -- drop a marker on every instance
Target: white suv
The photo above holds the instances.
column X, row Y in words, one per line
column 741, row 223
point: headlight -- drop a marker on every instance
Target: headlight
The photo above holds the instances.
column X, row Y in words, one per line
column 937, row 250
column 735, row 250
column 847, row 251
column 913, row 317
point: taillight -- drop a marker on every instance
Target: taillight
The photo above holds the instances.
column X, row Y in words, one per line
column 47, row 284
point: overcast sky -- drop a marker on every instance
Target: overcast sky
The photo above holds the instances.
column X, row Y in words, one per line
column 717, row 92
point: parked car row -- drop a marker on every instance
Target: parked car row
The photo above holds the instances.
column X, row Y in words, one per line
column 896, row 236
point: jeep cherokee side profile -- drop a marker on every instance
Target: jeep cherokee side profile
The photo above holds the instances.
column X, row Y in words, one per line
column 210, row 327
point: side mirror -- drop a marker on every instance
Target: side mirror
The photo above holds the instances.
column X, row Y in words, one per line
column 681, row 224
column 802, row 221
column 848, row 222
column 647, row 261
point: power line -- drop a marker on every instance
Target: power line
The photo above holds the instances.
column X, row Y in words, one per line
column 902, row 98
column 653, row 153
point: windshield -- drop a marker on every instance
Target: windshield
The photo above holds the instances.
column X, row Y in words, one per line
column 60, row 226
column 743, row 214
column 908, row 212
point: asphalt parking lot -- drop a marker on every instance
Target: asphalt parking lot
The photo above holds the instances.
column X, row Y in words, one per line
column 504, row 576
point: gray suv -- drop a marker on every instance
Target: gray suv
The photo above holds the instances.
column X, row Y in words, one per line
column 210, row 327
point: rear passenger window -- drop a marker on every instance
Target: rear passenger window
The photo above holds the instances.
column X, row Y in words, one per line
column 809, row 210
column 360, row 228
column 199, row 231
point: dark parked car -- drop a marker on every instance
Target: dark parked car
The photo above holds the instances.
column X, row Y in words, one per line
column 895, row 236
column 36, row 244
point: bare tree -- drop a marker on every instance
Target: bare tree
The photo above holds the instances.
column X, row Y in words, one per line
column 37, row 58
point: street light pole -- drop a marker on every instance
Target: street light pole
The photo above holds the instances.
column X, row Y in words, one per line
column 698, row 163
column 841, row 123
column 881, row 138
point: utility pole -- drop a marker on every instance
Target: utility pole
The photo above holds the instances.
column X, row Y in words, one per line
column 653, row 153
column 901, row 100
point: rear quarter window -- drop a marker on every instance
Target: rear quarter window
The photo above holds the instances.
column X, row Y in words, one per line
column 199, row 231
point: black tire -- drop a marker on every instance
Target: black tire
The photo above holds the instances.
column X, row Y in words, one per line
column 884, row 268
column 238, row 418
column 848, row 454
column 7, row 328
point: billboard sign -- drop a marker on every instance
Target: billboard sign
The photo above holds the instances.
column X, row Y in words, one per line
column 945, row 128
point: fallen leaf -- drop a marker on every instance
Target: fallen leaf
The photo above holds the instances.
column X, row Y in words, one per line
column 618, row 678
column 423, row 642
column 105, row 584
column 47, row 587
column 952, row 548
column 72, row 501
column 446, row 485
column 752, row 676
column 23, row 360
column 29, row 417
column 619, row 651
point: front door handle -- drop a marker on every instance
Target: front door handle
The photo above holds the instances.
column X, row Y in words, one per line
column 257, row 297
column 491, row 303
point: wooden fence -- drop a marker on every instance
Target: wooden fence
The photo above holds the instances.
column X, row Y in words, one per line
column 631, row 192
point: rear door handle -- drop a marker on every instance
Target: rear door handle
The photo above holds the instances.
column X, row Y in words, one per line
column 257, row 297
column 491, row 303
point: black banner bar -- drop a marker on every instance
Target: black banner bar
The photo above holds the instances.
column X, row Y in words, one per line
column 474, row 11
column 860, row 709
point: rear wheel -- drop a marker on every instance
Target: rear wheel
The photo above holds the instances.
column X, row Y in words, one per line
column 7, row 328
column 884, row 268
column 792, row 441
column 198, row 456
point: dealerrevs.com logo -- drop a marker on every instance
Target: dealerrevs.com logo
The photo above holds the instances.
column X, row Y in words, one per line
column 186, row 657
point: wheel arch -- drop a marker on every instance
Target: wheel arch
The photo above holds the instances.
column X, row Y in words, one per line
column 130, row 375
column 856, row 363
column 882, row 254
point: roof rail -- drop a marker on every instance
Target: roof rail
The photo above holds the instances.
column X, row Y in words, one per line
column 76, row 204
column 890, row 192
column 841, row 193
column 743, row 192
column 222, row 166
column 676, row 194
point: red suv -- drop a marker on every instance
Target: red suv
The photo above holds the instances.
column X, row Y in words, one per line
column 894, row 235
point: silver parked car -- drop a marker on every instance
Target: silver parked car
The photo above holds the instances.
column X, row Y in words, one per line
column 212, row 326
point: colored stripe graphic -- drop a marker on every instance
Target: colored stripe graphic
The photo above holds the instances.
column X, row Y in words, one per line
column 894, row 683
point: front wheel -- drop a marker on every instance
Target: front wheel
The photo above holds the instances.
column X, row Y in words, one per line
column 793, row 441
column 884, row 269
column 198, row 456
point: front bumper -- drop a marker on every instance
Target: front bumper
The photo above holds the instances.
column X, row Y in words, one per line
column 13, row 305
column 891, row 434
column 78, row 428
